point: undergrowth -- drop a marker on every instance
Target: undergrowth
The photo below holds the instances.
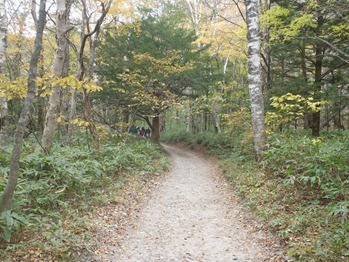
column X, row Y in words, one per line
column 300, row 189
column 55, row 191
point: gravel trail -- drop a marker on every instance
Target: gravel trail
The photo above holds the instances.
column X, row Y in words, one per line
column 190, row 218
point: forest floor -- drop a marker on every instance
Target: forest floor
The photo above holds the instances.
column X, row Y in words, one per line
column 189, row 214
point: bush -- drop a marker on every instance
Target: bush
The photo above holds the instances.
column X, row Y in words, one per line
column 318, row 164
column 302, row 193
column 53, row 186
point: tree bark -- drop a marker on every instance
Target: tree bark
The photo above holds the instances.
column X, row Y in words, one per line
column 3, row 100
column 87, row 117
column 155, row 129
column 6, row 201
column 66, row 93
column 216, row 117
column 72, row 111
column 315, row 116
column 266, row 50
column 58, row 67
column 254, row 75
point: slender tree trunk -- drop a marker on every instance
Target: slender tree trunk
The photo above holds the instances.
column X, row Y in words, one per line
column 6, row 201
column 155, row 129
column 72, row 111
column 315, row 116
column 188, row 115
column 67, row 92
column 265, row 49
column 87, row 118
column 254, row 75
column 217, row 120
column 307, row 116
column 87, row 102
column 82, row 69
column 58, row 68
column 41, row 100
column 195, row 10
column 3, row 100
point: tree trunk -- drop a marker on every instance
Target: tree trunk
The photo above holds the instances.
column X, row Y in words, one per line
column 315, row 116
column 254, row 75
column 82, row 69
column 87, row 117
column 58, row 68
column 72, row 111
column 3, row 100
column 6, row 202
column 87, row 101
column 188, row 115
column 217, row 120
column 41, row 114
column 40, row 100
column 155, row 129
column 266, row 50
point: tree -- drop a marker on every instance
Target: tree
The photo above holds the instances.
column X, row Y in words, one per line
column 149, row 64
column 155, row 86
column 6, row 200
column 308, row 40
column 3, row 100
column 254, row 75
column 59, row 61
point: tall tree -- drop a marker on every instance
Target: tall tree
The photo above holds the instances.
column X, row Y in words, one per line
column 152, row 60
column 89, row 31
column 6, row 201
column 254, row 75
column 3, row 100
column 60, row 56
column 309, row 43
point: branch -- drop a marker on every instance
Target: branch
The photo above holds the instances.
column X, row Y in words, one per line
column 33, row 12
column 331, row 70
column 240, row 11
column 224, row 18
column 146, row 120
column 333, row 48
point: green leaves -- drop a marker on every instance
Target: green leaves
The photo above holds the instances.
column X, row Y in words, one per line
column 50, row 186
column 10, row 221
column 290, row 107
column 146, row 65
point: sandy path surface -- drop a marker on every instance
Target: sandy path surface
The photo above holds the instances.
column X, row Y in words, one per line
column 190, row 217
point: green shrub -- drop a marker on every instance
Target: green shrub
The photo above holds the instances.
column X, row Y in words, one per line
column 303, row 193
column 53, row 186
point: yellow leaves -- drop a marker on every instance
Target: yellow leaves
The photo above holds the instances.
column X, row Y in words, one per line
column 13, row 89
column 18, row 88
column 49, row 80
column 290, row 107
column 150, row 85
column 81, row 123
column 122, row 8
column 89, row 86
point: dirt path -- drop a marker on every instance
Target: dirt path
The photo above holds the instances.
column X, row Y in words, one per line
column 191, row 217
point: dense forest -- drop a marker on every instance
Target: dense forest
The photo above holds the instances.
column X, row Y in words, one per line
column 89, row 89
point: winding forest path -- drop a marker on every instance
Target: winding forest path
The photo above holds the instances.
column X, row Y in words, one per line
column 192, row 216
